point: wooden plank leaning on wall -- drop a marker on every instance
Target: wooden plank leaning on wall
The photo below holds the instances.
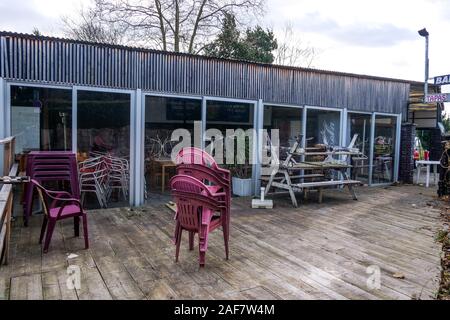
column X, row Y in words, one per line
column 6, row 198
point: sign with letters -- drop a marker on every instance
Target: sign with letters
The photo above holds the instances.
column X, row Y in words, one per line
column 442, row 80
column 438, row 97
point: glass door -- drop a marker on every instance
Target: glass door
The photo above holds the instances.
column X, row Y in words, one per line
column 359, row 125
column 168, row 118
column 384, row 149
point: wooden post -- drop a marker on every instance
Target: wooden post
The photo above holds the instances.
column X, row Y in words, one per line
column 6, row 198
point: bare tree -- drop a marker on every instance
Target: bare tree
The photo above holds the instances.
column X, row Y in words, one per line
column 36, row 32
column 174, row 25
column 292, row 51
column 88, row 26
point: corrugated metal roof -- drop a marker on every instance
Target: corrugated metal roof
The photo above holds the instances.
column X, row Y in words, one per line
column 140, row 49
column 61, row 61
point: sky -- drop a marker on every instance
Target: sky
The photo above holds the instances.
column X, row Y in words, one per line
column 359, row 36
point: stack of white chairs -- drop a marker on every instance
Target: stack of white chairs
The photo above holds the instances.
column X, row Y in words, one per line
column 102, row 174
column 119, row 175
column 93, row 177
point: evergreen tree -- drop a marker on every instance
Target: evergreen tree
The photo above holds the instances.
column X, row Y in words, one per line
column 257, row 45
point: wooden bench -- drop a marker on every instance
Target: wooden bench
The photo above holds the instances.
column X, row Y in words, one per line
column 320, row 185
column 303, row 176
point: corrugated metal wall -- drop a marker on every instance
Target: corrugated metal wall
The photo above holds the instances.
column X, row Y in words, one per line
column 59, row 61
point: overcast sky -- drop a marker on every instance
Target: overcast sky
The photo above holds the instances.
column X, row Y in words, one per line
column 376, row 37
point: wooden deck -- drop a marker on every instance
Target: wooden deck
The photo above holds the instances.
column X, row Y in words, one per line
column 317, row 251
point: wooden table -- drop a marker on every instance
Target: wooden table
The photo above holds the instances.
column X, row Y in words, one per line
column 285, row 179
column 282, row 178
column 427, row 164
column 164, row 163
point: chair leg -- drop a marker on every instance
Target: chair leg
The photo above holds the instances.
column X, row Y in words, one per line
column 191, row 240
column 225, row 239
column 176, row 233
column 177, row 251
column 226, row 236
column 85, row 232
column 202, row 258
column 202, row 244
column 49, row 233
column 83, row 197
column 44, row 226
column 76, row 226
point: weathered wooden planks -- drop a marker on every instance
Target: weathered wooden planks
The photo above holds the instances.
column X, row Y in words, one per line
column 316, row 251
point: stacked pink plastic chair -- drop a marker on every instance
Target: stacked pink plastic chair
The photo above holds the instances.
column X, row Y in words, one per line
column 198, row 212
column 45, row 166
column 198, row 164
column 59, row 205
column 201, row 165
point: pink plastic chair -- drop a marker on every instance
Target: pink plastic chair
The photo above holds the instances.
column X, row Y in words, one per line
column 192, row 155
column 62, row 206
column 50, row 166
column 218, row 186
column 196, row 208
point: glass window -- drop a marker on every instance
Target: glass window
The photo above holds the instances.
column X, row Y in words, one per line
column 360, row 125
column 222, row 116
column 41, row 118
column 323, row 127
column 103, row 123
column 287, row 120
column 163, row 115
column 384, row 149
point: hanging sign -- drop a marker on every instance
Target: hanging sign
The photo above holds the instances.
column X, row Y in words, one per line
column 438, row 97
column 441, row 80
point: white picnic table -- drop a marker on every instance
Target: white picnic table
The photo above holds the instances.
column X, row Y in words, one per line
column 427, row 164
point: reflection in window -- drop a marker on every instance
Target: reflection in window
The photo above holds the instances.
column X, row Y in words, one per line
column 360, row 124
column 103, row 123
column 323, row 128
column 288, row 121
column 163, row 115
column 223, row 115
column 384, row 149
column 41, row 118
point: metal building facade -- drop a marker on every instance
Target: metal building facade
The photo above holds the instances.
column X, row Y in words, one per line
column 29, row 58
column 43, row 61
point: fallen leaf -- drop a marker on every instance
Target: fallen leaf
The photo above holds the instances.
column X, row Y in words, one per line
column 398, row 275
column 72, row 255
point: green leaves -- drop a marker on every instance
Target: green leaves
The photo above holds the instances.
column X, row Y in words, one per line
column 256, row 45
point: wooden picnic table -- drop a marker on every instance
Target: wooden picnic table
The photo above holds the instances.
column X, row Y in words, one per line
column 282, row 178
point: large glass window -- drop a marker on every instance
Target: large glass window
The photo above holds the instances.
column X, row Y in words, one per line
column 289, row 123
column 384, row 149
column 323, row 128
column 360, row 125
column 222, row 116
column 103, row 123
column 41, row 118
column 287, row 120
column 163, row 115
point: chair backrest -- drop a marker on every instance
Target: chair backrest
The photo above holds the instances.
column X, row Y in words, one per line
column 191, row 205
column 43, row 196
column 185, row 183
column 193, row 155
column 54, row 165
column 204, row 174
